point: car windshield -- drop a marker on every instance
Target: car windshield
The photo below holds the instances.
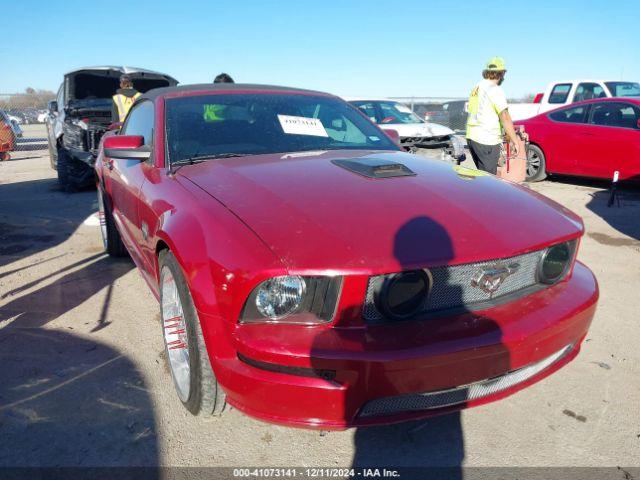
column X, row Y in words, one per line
column 394, row 112
column 252, row 124
column 624, row 89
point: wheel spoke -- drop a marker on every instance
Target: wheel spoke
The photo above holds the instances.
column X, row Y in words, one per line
column 175, row 335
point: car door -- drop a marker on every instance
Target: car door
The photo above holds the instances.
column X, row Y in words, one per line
column 126, row 176
column 610, row 141
column 562, row 139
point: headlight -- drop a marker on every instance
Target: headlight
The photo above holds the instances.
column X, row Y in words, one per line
column 458, row 146
column 293, row 299
column 280, row 296
column 556, row 261
column 403, row 295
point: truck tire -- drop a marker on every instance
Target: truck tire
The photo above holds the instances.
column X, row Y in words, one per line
column 110, row 236
column 73, row 174
column 53, row 152
column 186, row 353
column 536, row 164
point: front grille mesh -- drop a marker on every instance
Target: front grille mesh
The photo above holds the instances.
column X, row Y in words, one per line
column 452, row 285
column 458, row 395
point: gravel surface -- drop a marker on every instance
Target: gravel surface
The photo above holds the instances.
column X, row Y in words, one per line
column 84, row 382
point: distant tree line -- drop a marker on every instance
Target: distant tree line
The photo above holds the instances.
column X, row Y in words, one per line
column 31, row 98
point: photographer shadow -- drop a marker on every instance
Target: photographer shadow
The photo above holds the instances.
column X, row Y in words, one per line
column 437, row 443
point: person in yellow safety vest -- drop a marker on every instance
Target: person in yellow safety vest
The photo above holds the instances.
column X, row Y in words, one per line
column 489, row 118
column 124, row 98
column 215, row 112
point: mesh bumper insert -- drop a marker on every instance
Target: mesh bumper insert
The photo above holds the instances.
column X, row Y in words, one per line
column 453, row 285
column 454, row 396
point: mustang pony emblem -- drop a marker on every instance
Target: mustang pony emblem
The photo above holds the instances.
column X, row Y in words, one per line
column 489, row 278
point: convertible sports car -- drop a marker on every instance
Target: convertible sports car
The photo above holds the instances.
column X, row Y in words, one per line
column 311, row 273
column 593, row 138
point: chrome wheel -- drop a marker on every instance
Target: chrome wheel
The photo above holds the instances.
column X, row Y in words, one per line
column 102, row 218
column 175, row 335
column 533, row 163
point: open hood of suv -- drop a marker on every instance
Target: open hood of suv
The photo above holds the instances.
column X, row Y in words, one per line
column 99, row 83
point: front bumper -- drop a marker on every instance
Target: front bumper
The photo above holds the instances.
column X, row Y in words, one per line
column 334, row 378
column 446, row 148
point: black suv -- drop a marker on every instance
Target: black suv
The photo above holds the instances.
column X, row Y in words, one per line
column 81, row 114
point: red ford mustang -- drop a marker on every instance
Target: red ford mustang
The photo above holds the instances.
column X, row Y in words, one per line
column 593, row 138
column 311, row 273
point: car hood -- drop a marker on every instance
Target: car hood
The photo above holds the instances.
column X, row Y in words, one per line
column 93, row 84
column 317, row 216
column 425, row 129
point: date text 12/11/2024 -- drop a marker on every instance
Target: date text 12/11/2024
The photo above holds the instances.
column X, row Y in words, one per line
column 315, row 473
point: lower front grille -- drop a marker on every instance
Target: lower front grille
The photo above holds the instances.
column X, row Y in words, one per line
column 458, row 395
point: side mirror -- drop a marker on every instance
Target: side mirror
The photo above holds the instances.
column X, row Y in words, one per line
column 52, row 106
column 393, row 135
column 128, row 147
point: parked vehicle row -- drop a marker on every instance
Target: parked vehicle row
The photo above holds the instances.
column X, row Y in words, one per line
column 452, row 114
column 311, row 273
column 27, row 116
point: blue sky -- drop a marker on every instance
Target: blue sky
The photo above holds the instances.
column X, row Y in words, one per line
column 383, row 48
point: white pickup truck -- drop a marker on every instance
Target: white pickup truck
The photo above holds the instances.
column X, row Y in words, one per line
column 558, row 94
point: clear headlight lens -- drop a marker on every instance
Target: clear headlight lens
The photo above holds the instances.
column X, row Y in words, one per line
column 293, row 299
column 556, row 262
column 458, row 146
column 280, row 296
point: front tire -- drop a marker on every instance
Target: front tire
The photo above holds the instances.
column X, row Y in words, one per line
column 185, row 350
column 536, row 164
column 73, row 174
column 110, row 236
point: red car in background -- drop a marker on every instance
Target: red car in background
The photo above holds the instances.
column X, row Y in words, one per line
column 311, row 273
column 593, row 138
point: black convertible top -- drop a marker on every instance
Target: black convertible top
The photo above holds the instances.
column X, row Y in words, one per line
column 158, row 92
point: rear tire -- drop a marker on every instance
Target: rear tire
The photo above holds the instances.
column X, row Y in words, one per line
column 536, row 164
column 110, row 236
column 193, row 377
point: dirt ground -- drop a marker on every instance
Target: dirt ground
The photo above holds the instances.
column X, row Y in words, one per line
column 83, row 381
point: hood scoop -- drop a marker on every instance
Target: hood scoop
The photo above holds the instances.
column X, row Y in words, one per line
column 375, row 167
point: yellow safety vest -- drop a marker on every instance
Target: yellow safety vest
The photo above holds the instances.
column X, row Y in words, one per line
column 214, row 112
column 123, row 104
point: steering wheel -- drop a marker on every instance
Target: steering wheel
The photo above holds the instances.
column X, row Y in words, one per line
column 387, row 119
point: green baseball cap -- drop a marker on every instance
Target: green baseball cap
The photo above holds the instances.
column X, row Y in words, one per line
column 496, row 64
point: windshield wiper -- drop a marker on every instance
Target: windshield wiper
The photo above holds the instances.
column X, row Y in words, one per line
column 201, row 158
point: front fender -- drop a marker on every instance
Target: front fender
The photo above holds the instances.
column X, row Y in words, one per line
column 221, row 257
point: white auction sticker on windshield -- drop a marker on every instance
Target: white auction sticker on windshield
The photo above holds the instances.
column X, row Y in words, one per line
column 302, row 126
